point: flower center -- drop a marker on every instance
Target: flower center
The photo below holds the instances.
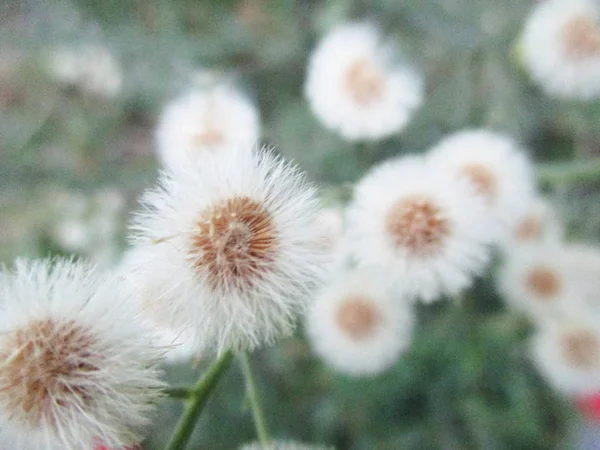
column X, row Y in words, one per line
column 417, row 224
column 581, row 38
column 543, row 282
column 45, row 367
column 529, row 229
column 357, row 317
column 234, row 243
column 210, row 136
column 482, row 179
column 364, row 82
column 581, row 348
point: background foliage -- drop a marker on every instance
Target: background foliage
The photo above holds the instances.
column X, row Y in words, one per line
column 72, row 166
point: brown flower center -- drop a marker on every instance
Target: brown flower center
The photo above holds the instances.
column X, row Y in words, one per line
column 44, row 367
column 210, row 136
column 581, row 38
column 417, row 224
column 357, row 317
column 581, row 348
column 364, row 82
column 543, row 281
column 529, row 229
column 482, row 179
column 234, row 243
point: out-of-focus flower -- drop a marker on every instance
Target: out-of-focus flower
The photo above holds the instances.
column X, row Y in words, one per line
column 77, row 366
column 357, row 86
column 589, row 405
column 357, row 326
column 422, row 225
column 238, row 240
column 284, row 445
column 567, row 354
column 91, row 68
column 539, row 225
column 496, row 168
column 211, row 119
column 560, row 46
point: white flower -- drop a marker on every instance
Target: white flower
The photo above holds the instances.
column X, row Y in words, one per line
column 148, row 293
column 560, row 46
column 210, row 119
column 357, row 326
column 538, row 226
column 497, row 170
column 77, row 366
column 356, row 87
column 567, row 353
column 284, row 445
column 420, row 224
column 90, row 67
column 238, row 240
column 551, row 281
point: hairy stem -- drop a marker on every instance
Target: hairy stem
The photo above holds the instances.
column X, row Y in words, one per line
column 197, row 399
column 252, row 394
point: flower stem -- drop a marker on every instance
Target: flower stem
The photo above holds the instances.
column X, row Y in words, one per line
column 252, row 394
column 182, row 393
column 197, row 399
column 556, row 173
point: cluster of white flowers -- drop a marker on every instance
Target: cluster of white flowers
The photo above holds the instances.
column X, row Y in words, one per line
column 560, row 46
column 556, row 284
column 419, row 227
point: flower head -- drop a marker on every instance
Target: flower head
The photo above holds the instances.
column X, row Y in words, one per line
column 355, row 87
column 497, row 170
column 423, row 226
column 560, row 46
column 77, row 366
column 238, row 241
column 538, row 226
column 210, row 119
column 568, row 355
column 357, row 326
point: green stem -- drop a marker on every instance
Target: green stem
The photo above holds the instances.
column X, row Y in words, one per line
column 197, row 400
column 252, row 394
column 182, row 393
column 556, row 173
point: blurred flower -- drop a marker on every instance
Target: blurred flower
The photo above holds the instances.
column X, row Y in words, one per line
column 149, row 295
column 422, row 225
column 77, row 366
column 284, row 445
column 589, row 405
column 357, row 326
column 567, row 354
column 356, row 86
column 496, row 168
column 540, row 225
column 213, row 118
column 237, row 238
column 560, row 46
column 89, row 67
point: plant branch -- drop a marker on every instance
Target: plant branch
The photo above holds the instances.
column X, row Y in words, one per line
column 252, row 394
column 556, row 173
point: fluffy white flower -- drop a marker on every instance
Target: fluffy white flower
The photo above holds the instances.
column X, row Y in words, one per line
column 356, row 86
column 284, row 445
column 497, row 170
column 90, row 67
column 214, row 118
column 149, row 296
column 357, row 325
column 77, row 365
column 422, row 225
column 551, row 281
column 567, row 353
column 560, row 46
column 538, row 226
column 238, row 240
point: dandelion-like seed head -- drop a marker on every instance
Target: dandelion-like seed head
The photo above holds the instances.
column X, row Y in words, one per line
column 529, row 229
column 357, row 317
column 208, row 137
column 483, row 180
column 364, row 82
column 580, row 348
column 234, row 243
column 47, row 364
column 417, row 224
column 543, row 281
column 581, row 36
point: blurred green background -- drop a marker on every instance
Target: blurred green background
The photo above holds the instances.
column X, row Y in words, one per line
column 72, row 164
